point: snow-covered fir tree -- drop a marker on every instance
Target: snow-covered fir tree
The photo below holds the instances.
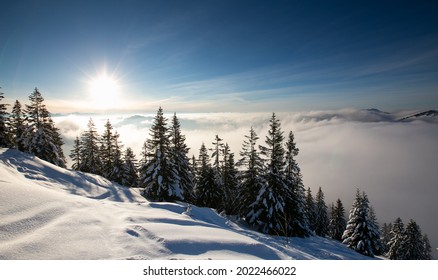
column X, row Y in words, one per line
column 178, row 155
column 207, row 194
column 130, row 169
column 295, row 204
column 116, row 173
column 321, row 219
column 376, row 240
column 310, row 210
column 41, row 137
column 412, row 243
column 194, row 168
column 4, row 133
column 230, row 182
column 107, row 149
column 217, row 165
column 89, row 151
column 17, row 126
column 337, row 223
column 385, row 237
column 271, row 199
column 359, row 233
column 158, row 176
column 395, row 251
column 427, row 248
column 251, row 178
column 75, row 154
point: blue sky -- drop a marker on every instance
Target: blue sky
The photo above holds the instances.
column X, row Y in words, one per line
column 213, row 56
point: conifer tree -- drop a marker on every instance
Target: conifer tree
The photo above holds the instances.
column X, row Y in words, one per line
column 17, row 126
column 231, row 183
column 376, row 241
column 295, row 204
column 89, row 151
column 359, row 232
column 271, row 199
column 412, row 243
column 322, row 220
column 217, row 165
column 385, row 237
column 4, row 133
column 395, row 251
column 116, row 173
column 158, row 176
column 178, row 155
column 427, row 248
column 41, row 137
column 130, row 169
column 337, row 221
column 205, row 190
column 194, row 169
column 107, row 149
column 75, row 154
column 310, row 210
column 251, row 178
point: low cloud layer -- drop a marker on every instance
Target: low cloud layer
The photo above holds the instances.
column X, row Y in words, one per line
column 393, row 162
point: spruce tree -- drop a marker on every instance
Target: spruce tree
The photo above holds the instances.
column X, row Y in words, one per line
column 207, row 194
column 376, row 241
column 310, row 210
column 4, row 133
column 322, row 220
column 107, row 150
column 412, row 243
column 17, row 126
column 385, row 237
column 359, row 233
column 337, row 221
column 130, row 169
column 395, row 251
column 158, row 176
column 251, row 179
column 295, row 204
column 116, row 173
column 231, row 183
column 89, row 151
column 178, row 155
column 217, row 165
column 75, row 154
column 41, row 137
column 271, row 199
column 427, row 248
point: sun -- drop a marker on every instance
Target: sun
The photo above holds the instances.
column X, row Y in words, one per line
column 104, row 92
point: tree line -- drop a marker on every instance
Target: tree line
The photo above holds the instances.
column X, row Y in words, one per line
column 264, row 187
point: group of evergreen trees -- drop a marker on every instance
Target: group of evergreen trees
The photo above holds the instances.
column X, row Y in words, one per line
column 103, row 155
column 264, row 186
column 31, row 130
column 402, row 243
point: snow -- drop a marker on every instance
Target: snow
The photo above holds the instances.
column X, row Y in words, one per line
column 52, row 213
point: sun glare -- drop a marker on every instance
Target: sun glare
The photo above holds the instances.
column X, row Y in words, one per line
column 104, row 92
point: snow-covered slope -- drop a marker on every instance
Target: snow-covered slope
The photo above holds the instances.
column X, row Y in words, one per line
column 48, row 212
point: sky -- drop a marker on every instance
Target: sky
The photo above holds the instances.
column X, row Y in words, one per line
column 216, row 56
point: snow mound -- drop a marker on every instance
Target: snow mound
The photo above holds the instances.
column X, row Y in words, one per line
column 52, row 213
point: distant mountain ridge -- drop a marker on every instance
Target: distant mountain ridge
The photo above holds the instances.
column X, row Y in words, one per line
column 430, row 114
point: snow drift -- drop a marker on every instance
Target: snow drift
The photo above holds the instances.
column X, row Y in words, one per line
column 52, row 213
